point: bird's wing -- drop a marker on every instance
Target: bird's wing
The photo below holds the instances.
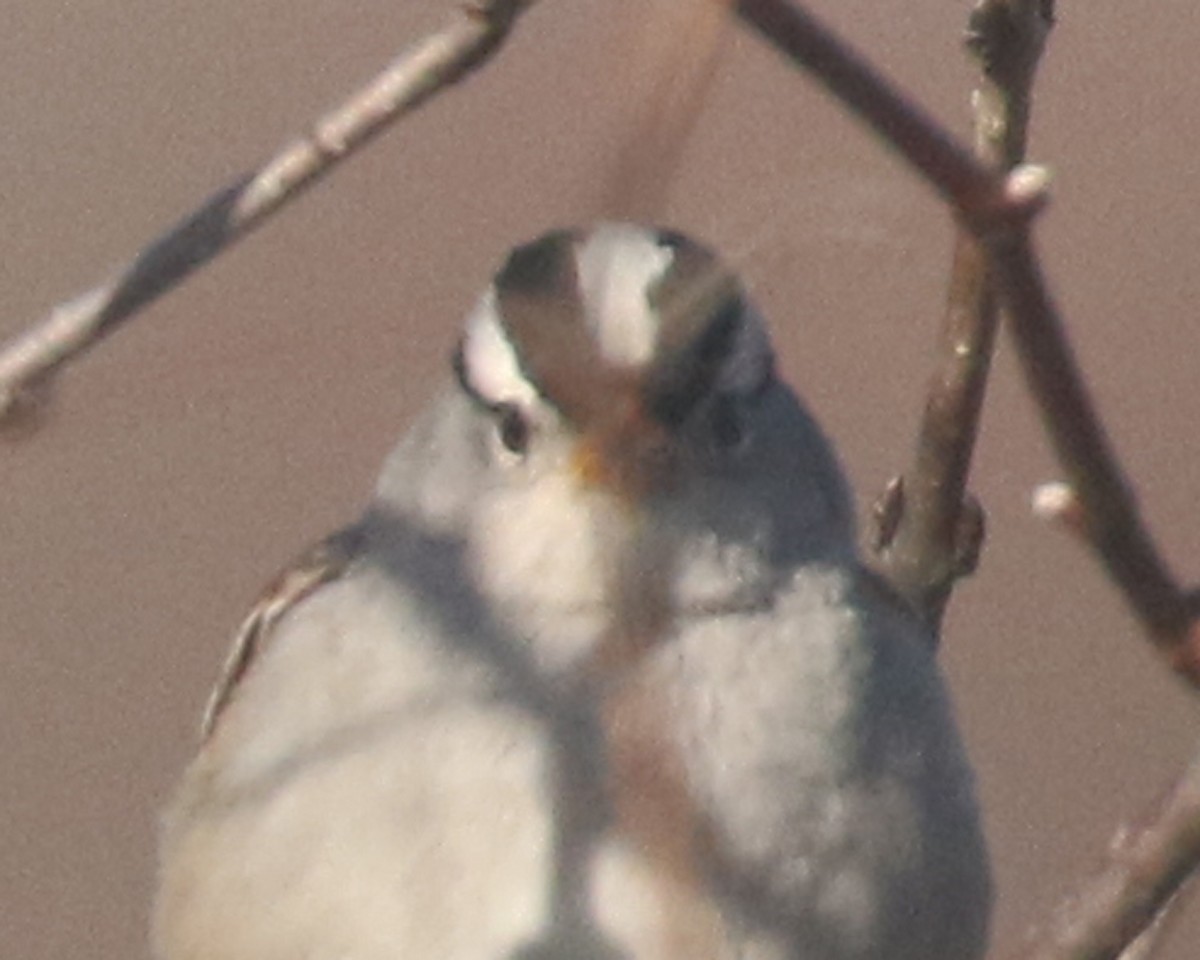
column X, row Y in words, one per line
column 320, row 564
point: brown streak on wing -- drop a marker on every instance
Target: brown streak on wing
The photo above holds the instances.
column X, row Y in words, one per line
column 320, row 564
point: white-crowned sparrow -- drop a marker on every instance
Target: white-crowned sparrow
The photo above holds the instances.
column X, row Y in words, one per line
column 598, row 674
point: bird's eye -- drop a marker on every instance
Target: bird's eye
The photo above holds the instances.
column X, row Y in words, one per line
column 514, row 429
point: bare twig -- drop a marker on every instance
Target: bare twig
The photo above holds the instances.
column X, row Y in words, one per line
column 997, row 209
column 442, row 59
column 1147, row 943
column 1145, row 870
column 978, row 194
column 926, row 536
column 1108, row 510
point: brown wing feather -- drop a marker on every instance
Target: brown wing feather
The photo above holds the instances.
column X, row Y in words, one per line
column 320, row 564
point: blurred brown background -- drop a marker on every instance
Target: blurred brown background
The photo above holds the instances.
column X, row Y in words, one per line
column 248, row 411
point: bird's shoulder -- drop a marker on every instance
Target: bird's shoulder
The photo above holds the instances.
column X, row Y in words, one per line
column 320, row 564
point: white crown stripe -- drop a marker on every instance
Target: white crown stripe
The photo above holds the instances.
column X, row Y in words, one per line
column 617, row 267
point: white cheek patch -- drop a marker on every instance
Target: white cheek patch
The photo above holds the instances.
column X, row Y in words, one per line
column 489, row 361
column 618, row 264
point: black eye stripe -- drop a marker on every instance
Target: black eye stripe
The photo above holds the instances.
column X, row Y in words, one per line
column 540, row 266
column 680, row 379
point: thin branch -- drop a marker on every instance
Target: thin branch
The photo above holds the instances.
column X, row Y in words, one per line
column 1146, row 944
column 974, row 191
column 997, row 208
column 1109, row 514
column 928, row 534
column 1144, row 872
column 439, row 61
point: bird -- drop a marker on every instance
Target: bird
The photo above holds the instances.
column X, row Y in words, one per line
column 599, row 673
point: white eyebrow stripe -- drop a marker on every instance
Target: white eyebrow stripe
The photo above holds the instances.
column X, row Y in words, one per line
column 489, row 361
column 617, row 265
